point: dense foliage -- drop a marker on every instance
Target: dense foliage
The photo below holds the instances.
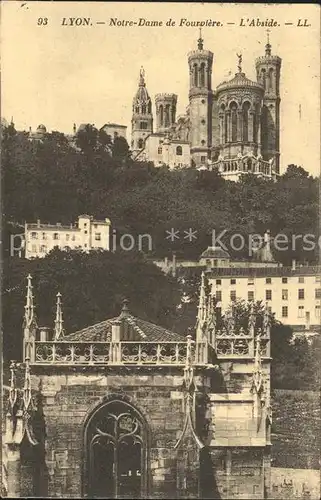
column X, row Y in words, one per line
column 55, row 181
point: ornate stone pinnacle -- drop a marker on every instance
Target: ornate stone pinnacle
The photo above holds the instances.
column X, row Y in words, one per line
column 29, row 307
column 58, row 320
column 268, row 45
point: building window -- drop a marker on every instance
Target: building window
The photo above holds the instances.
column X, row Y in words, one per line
column 43, row 248
column 56, row 236
column 98, row 236
column 34, row 235
column 301, row 312
column 86, row 232
column 318, row 293
column 203, row 159
column 318, row 279
column 34, row 248
column 284, row 294
column 233, row 281
column 218, row 282
column 284, row 280
column 179, row 150
column 250, row 295
column 301, row 279
column 159, row 151
column 268, row 281
column 115, row 458
column 284, row 311
column 44, row 236
column 250, row 281
column 143, row 125
column 233, row 295
column 67, row 237
column 140, row 143
column 268, row 294
column 317, row 311
column 218, row 296
column 73, row 238
column 301, row 293
column 85, row 225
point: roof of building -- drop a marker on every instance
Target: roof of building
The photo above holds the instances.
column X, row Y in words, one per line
column 239, row 81
column 215, row 252
column 260, row 272
column 135, row 329
column 114, row 125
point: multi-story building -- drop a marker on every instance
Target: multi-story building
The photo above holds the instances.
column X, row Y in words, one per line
column 88, row 234
column 234, row 128
column 128, row 409
column 293, row 294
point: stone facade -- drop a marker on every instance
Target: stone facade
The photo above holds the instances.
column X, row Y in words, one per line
column 125, row 408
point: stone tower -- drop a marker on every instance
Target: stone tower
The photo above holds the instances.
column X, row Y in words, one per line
column 165, row 111
column 268, row 70
column 200, row 63
column 142, row 119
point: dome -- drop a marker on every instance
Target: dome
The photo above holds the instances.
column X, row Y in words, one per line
column 240, row 81
column 41, row 128
column 215, row 253
column 142, row 96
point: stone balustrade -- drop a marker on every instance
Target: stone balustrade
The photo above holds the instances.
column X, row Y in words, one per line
column 117, row 353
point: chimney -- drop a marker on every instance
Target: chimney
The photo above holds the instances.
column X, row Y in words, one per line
column 115, row 331
column 293, row 265
column 38, row 222
column 166, row 262
column 44, row 334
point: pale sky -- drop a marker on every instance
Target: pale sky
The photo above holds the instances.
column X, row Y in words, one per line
column 59, row 75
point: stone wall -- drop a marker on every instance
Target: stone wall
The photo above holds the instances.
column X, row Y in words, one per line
column 68, row 400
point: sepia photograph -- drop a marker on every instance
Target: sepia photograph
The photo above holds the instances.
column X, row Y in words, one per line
column 161, row 274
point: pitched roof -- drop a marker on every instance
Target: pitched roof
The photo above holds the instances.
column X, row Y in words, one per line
column 133, row 329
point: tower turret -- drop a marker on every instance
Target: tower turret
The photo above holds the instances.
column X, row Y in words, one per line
column 200, row 63
column 142, row 119
column 268, row 71
column 165, row 111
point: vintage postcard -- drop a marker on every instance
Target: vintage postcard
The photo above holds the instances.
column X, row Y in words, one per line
column 161, row 291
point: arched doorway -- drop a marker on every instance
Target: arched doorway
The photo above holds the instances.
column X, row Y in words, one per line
column 115, row 452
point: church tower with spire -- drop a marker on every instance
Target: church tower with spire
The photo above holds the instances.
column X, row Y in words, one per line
column 200, row 63
column 268, row 71
column 142, row 118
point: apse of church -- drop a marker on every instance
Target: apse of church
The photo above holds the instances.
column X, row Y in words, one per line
column 128, row 409
column 234, row 128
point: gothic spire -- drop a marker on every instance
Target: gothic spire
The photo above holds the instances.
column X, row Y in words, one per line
column 29, row 307
column 202, row 306
column 239, row 65
column 59, row 331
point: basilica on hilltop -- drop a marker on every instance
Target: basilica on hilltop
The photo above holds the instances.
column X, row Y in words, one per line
column 235, row 127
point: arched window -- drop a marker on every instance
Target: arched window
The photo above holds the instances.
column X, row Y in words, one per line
column 233, row 108
column 195, row 73
column 115, row 452
column 140, row 143
column 144, row 109
column 202, row 75
column 137, row 109
column 161, row 115
column 225, row 127
column 149, row 107
column 167, row 115
column 245, row 120
column 179, row 150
